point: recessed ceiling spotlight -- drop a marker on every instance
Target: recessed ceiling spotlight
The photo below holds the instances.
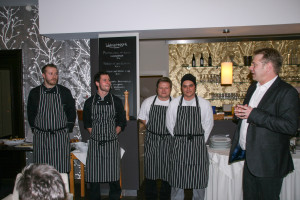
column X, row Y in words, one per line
column 28, row 8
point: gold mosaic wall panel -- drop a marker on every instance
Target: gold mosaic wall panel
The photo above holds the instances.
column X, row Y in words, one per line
column 208, row 78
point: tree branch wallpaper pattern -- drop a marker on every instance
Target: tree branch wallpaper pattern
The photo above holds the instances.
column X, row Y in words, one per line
column 19, row 29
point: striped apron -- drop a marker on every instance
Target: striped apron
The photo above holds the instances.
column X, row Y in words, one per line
column 103, row 156
column 157, row 144
column 51, row 140
column 189, row 157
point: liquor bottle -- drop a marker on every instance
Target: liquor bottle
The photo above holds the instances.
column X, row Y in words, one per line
column 193, row 61
column 209, row 60
column 201, row 60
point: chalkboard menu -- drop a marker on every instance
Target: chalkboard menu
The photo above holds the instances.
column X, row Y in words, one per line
column 117, row 56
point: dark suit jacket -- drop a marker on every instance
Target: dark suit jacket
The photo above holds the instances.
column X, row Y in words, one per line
column 271, row 125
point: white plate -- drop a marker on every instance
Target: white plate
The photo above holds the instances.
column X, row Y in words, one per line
column 227, row 142
column 13, row 142
column 220, row 142
column 217, row 145
column 220, row 147
column 219, row 139
column 226, row 145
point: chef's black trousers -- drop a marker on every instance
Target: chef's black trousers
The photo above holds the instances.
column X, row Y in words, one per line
column 151, row 190
column 114, row 191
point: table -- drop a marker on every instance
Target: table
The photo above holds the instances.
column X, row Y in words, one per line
column 225, row 181
column 4, row 147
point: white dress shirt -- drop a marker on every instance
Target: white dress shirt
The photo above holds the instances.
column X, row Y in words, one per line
column 254, row 101
column 146, row 105
column 207, row 120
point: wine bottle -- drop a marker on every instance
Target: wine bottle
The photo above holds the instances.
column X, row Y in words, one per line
column 193, row 61
column 201, row 60
column 209, row 60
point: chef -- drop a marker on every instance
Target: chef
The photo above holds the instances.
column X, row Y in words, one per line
column 104, row 118
column 157, row 140
column 190, row 121
column 51, row 114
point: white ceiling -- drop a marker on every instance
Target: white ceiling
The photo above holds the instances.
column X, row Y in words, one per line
column 285, row 31
column 275, row 31
column 18, row 2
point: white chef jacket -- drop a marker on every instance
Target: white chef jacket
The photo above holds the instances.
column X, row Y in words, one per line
column 207, row 120
column 146, row 105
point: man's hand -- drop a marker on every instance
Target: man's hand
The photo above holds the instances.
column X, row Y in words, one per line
column 89, row 130
column 242, row 111
column 118, row 130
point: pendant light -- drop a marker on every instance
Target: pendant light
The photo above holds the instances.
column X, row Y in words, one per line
column 226, row 65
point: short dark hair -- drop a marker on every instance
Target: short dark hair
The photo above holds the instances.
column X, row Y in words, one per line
column 97, row 76
column 41, row 181
column 163, row 79
column 271, row 55
column 48, row 65
column 188, row 77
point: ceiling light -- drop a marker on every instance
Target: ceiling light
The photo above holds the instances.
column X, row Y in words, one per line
column 226, row 65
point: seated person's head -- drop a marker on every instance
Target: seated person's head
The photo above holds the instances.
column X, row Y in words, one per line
column 41, row 182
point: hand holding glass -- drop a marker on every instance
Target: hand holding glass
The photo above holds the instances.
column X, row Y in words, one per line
column 239, row 110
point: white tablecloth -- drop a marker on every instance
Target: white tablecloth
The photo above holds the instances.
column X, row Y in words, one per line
column 225, row 181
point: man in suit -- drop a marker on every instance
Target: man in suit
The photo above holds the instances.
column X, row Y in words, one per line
column 266, row 121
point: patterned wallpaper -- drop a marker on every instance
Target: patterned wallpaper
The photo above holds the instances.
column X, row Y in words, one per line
column 19, row 29
column 208, row 78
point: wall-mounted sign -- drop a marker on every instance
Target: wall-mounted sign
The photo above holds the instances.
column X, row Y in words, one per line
column 118, row 57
